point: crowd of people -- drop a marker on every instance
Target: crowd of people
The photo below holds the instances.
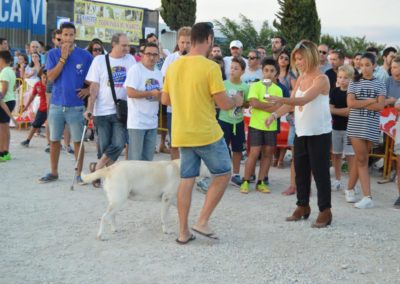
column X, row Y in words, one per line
column 218, row 109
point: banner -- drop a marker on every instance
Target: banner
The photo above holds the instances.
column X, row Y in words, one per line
column 24, row 15
column 98, row 20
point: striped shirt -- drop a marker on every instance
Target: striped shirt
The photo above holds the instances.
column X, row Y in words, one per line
column 364, row 123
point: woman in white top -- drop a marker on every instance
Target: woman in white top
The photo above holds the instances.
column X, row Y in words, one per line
column 32, row 70
column 310, row 99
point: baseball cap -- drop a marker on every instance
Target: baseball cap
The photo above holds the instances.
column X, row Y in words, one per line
column 236, row 43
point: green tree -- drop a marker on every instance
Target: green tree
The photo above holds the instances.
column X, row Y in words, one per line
column 245, row 32
column 297, row 20
column 178, row 13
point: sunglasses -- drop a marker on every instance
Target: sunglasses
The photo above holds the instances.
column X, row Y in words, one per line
column 252, row 58
column 300, row 45
column 97, row 49
column 322, row 52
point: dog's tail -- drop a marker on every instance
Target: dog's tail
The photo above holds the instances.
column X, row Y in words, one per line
column 100, row 173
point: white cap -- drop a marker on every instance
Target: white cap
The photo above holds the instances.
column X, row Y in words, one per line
column 236, row 43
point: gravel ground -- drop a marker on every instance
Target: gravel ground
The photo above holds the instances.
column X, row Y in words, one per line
column 48, row 234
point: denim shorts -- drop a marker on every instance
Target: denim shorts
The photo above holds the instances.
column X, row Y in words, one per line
column 215, row 156
column 142, row 143
column 111, row 135
column 59, row 116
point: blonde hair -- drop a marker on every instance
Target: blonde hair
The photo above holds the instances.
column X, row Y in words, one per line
column 348, row 69
column 309, row 51
column 184, row 31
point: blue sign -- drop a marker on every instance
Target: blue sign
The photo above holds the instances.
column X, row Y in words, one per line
column 24, row 14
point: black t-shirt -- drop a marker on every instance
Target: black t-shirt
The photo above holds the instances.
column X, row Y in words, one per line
column 332, row 75
column 338, row 99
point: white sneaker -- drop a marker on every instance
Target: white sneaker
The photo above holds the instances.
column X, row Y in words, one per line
column 350, row 195
column 357, row 189
column 336, row 185
column 364, row 203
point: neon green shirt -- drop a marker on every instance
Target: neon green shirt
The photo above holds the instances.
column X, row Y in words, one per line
column 234, row 115
column 8, row 75
column 258, row 116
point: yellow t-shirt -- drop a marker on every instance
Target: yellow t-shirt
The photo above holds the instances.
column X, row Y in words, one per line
column 258, row 116
column 191, row 82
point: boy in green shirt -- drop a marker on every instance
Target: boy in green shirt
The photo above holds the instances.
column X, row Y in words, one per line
column 231, row 121
column 262, row 138
column 7, row 100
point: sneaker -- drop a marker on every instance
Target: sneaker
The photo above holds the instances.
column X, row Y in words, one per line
column 79, row 180
column 364, row 203
column 245, row 187
column 357, row 189
column 396, row 205
column 262, row 187
column 69, row 150
column 236, row 180
column 266, row 180
column 202, row 185
column 336, row 185
column 25, row 143
column 47, row 149
column 350, row 195
column 6, row 157
column 252, row 179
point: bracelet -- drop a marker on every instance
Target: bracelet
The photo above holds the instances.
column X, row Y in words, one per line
column 62, row 60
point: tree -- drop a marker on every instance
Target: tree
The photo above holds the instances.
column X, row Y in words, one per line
column 178, row 13
column 245, row 32
column 297, row 20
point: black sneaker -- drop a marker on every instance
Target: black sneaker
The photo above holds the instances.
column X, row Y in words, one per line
column 25, row 143
column 47, row 149
column 396, row 205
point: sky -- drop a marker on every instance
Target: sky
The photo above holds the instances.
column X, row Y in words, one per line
column 378, row 20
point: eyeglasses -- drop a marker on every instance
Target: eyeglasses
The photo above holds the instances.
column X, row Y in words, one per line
column 252, row 58
column 322, row 52
column 151, row 54
column 97, row 49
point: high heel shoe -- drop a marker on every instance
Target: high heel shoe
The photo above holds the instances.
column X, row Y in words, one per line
column 324, row 219
column 300, row 212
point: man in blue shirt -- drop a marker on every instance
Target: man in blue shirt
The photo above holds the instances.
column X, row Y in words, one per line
column 67, row 67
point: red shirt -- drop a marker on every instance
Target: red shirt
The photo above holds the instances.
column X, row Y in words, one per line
column 40, row 89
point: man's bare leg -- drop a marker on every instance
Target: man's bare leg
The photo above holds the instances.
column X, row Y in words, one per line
column 54, row 156
column 185, row 190
column 215, row 192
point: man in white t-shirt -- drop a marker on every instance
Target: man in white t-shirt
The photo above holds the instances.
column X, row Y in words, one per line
column 253, row 71
column 236, row 48
column 111, row 132
column 144, row 84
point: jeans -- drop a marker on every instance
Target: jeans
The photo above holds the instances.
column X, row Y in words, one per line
column 215, row 156
column 311, row 154
column 142, row 144
column 111, row 135
column 59, row 115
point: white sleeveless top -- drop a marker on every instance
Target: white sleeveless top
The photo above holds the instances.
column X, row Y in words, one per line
column 314, row 118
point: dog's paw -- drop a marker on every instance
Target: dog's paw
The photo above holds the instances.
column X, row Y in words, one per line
column 100, row 238
column 165, row 230
column 114, row 230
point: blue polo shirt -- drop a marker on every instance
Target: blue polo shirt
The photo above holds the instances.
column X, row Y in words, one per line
column 71, row 78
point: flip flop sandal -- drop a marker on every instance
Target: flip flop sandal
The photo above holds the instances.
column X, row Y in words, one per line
column 48, row 178
column 92, row 167
column 191, row 238
column 208, row 235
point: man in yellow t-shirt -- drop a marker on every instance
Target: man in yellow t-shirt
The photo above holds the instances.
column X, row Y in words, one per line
column 192, row 86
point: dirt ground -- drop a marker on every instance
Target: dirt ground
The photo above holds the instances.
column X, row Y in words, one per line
column 48, row 234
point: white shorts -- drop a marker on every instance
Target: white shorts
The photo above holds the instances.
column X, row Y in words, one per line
column 339, row 143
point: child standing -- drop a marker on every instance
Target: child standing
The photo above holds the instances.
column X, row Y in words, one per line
column 262, row 138
column 41, row 116
column 366, row 98
column 340, row 146
column 231, row 121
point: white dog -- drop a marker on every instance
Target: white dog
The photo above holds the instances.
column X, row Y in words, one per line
column 138, row 180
